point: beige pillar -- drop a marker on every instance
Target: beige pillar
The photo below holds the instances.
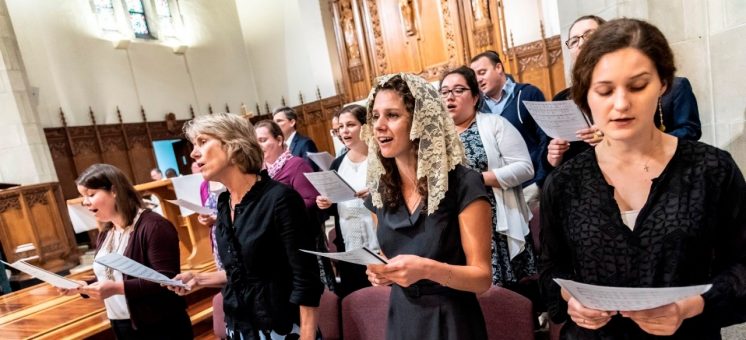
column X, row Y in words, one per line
column 24, row 154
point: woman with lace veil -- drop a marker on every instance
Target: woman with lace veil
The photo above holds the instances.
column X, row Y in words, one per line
column 432, row 214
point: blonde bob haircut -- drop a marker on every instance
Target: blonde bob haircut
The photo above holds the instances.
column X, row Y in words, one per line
column 235, row 133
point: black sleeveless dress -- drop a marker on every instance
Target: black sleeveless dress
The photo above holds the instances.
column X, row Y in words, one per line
column 427, row 310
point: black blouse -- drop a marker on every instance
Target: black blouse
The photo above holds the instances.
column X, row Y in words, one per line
column 268, row 277
column 691, row 230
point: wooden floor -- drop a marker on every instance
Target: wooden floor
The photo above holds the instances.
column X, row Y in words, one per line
column 40, row 312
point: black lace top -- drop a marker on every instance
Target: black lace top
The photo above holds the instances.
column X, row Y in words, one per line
column 691, row 230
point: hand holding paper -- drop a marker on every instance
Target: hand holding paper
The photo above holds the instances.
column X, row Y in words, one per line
column 362, row 256
column 560, row 119
column 627, row 299
column 136, row 269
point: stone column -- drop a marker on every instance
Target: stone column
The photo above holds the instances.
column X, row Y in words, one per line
column 24, row 153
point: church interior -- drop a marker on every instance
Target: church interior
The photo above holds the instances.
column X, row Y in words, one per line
column 114, row 81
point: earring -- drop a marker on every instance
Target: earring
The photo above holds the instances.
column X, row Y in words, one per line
column 661, row 127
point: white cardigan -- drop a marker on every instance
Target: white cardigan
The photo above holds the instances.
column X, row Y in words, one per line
column 509, row 160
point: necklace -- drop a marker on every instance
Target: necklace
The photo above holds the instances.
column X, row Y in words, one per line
column 645, row 166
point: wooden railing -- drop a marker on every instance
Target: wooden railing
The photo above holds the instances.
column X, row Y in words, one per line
column 34, row 225
column 40, row 312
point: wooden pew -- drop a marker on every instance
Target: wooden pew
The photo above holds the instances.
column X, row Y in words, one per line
column 39, row 312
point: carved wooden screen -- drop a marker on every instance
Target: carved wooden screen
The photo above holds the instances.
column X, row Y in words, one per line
column 427, row 37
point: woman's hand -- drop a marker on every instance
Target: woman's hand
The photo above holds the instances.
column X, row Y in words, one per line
column 72, row 291
column 591, row 135
column 376, row 276
column 362, row 193
column 585, row 317
column 323, row 202
column 665, row 320
column 207, row 220
column 405, row 270
column 187, row 278
column 555, row 151
column 103, row 289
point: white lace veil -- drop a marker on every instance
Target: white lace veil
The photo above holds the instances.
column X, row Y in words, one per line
column 440, row 148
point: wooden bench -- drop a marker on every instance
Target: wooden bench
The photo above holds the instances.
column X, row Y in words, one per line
column 39, row 312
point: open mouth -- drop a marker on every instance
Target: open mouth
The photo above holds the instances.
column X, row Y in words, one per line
column 384, row 140
column 94, row 211
column 451, row 107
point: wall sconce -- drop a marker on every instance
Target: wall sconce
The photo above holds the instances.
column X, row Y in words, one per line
column 180, row 49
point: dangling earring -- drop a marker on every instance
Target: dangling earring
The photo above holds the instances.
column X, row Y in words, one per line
column 661, row 127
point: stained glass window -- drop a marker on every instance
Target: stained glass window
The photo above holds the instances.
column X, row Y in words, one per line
column 138, row 20
column 165, row 20
column 105, row 14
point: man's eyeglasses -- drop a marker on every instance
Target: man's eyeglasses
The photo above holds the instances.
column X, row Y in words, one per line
column 457, row 91
column 574, row 41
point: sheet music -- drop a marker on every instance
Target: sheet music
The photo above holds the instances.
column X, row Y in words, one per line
column 46, row 276
column 560, row 119
column 331, row 185
column 363, row 256
column 625, row 298
column 136, row 269
column 192, row 207
column 83, row 219
column 187, row 188
column 322, row 159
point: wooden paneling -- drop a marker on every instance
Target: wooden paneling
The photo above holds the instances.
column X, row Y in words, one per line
column 129, row 147
column 539, row 63
column 428, row 37
column 34, row 224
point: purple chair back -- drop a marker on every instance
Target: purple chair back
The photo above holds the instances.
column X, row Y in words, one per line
column 365, row 314
column 508, row 315
column 329, row 316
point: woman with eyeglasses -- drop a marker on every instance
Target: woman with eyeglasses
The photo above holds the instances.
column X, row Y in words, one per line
column 136, row 308
column 270, row 288
column 494, row 148
column 643, row 208
column 560, row 150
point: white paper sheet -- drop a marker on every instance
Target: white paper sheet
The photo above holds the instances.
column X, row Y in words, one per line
column 46, row 276
column 363, row 256
column 83, row 219
column 322, row 159
column 331, row 185
column 187, row 188
column 625, row 298
column 136, row 269
column 560, row 119
column 193, row 207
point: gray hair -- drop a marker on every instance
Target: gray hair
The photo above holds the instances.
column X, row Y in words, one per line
column 235, row 133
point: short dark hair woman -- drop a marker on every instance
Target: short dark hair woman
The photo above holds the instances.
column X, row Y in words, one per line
column 643, row 208
column 269, row 286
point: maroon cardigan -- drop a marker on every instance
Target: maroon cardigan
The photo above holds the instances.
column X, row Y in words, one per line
column 155, row 243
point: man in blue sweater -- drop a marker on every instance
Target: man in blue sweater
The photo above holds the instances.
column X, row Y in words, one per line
column 503, row 96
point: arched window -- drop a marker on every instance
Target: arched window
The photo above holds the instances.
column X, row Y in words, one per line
column 165, row 19
column 138, row 19
column 104, row 10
